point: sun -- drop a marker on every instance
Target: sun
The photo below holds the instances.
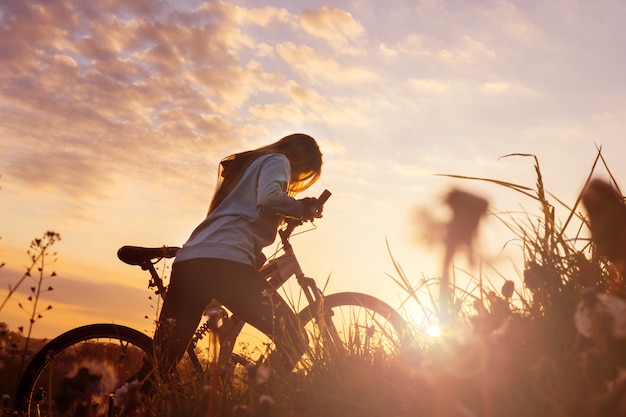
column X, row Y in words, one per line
column 423, row 320
column 433, row 330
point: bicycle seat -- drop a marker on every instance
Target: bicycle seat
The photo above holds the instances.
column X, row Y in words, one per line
column 137, row 255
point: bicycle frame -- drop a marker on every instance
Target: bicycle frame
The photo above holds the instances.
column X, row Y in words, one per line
column 276, row 271
column 279, row 270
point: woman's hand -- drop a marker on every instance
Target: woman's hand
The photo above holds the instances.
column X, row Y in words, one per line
column 310, row 209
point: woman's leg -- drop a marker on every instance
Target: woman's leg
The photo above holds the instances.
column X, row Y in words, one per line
column 187, row 297
column 248, row 295
column 241, row 289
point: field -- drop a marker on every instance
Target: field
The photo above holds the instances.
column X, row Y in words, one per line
column 556, row 347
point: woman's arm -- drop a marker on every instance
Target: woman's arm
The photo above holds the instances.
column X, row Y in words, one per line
column 272, row 187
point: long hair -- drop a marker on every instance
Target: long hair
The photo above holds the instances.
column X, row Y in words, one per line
column 304, row 157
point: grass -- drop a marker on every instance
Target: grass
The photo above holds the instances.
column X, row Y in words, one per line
column 550, row 343
column 526, row 354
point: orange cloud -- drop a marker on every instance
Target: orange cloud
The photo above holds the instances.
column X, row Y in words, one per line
column 337, row 27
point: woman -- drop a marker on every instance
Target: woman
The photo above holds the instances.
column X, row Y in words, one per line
column 221, row 258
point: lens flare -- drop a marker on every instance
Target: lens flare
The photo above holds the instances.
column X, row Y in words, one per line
column 433, row 331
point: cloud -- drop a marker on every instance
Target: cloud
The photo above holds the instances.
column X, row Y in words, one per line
column 511, row 23
column 410, row 171
column 502, row 87
column 470, row 51
column 316, row 67
column 93, row 89
column 84, row 89
column 464, row 51
column 89, row 90
column 430, row 86
column 337, row 27
column 234, row 86
column 302, row 95
column 71, row 172
column 279, row 111
column 263, row 16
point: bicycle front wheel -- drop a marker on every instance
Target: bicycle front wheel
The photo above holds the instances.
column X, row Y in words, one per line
column 353, row 324
column 80, row 368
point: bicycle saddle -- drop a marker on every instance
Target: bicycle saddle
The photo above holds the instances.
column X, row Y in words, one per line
column 137, row 255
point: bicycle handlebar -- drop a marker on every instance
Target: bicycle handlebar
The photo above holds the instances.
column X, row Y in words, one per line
column 293, row 223
column 323, row 198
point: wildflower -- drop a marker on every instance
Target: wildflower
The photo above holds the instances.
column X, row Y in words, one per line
column 128, row 398
column 607, row 215
column 125, row 391
column 503, row 331
column 258, row 373
column 76, row 391
column 241, row 411
column 599, row 313
column 266, row 399
column 612, row 402
column 85, row 387
column 508, row 288
column 265, row 406
column 467, row 210
column 6, row 400
column 262, row 374
column 538, row 277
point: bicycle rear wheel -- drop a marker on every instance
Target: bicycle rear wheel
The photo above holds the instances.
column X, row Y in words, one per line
column 84, row 364
column 354, row 324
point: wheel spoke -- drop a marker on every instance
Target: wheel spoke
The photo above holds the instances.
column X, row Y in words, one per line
column 87, row 364
column 355, row 324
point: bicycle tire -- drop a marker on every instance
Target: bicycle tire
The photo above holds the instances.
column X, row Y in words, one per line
column 363, row 326
column 352, row 311
column 114, row 351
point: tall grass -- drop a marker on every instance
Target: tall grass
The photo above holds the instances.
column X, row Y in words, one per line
column 551, row 342
column 552, row 348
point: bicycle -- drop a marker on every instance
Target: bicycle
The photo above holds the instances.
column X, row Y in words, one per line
column 345, row 321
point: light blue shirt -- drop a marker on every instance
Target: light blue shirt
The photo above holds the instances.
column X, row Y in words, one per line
column 248, row 218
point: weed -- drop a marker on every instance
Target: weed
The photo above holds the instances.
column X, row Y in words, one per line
column 14, row 348
column 39, row 254
column 555, row 346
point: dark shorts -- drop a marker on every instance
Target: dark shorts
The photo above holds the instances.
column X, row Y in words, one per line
column 240, row 288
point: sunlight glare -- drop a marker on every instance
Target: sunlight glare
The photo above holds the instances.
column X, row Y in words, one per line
column 433, row 331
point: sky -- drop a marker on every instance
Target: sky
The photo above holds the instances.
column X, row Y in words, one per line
column 115, row 114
